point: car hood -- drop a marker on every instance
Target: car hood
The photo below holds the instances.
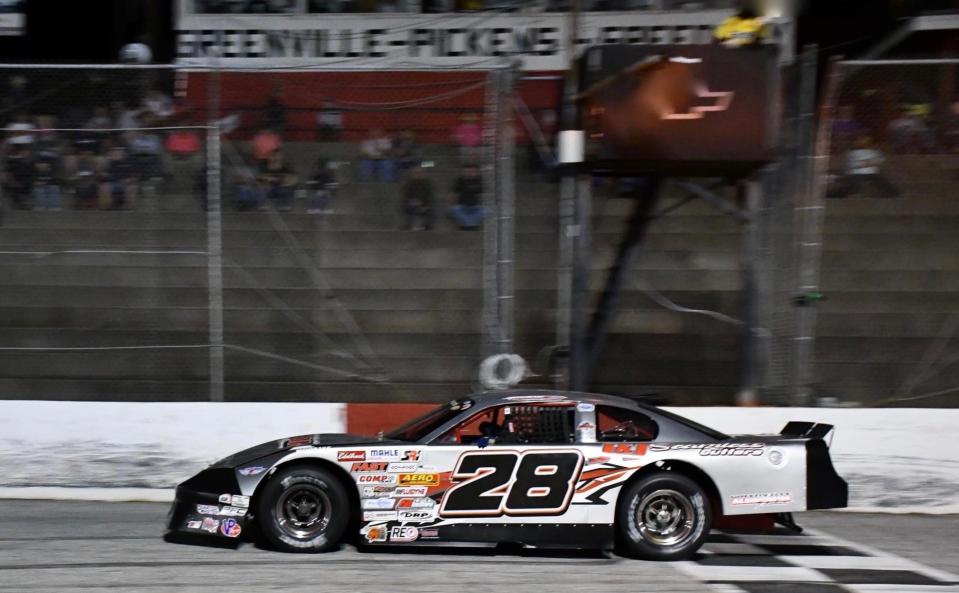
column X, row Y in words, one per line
column 306, row 440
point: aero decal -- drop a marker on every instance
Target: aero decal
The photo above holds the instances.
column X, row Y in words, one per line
column 490, row 484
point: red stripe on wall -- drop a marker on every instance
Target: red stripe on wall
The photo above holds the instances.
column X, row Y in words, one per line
column 369, row 419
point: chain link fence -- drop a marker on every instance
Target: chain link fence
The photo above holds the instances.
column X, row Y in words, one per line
column 184, row 233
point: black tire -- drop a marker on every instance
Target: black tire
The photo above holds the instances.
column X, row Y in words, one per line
column 663, row 516
column 303, row 509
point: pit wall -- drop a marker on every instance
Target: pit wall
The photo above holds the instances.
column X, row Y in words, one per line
column 895, row 460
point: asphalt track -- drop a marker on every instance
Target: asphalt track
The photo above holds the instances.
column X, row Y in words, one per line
column 84, row 546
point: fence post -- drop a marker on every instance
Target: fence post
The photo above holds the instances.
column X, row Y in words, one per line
column 214, row 227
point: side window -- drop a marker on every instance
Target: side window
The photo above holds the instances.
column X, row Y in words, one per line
column 537, row 424
column 622, row 424
column 533, row 424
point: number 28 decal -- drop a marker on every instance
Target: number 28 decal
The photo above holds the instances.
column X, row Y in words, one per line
column 497, row 483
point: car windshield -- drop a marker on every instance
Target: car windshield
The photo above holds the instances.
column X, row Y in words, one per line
column 416, row 429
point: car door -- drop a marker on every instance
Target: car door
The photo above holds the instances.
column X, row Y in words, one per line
column 514, row 463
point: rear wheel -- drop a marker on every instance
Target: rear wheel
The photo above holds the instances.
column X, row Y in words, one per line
column 664, row 516
column 303, row 509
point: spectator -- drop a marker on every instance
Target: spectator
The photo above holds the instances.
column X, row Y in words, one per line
column 950, row 128
column 16, row 95
column 125, row 117
column 321, row 185
column 418, row 212
column 120, row 188
column 845, row 129
column 21, row 130
column 863, row 168
column 468, row 136
column 265, row 143
column 405, row 150
column 466, row 197
column 100, row 120
column 909, row 132
column 329, row 122
column 375, row 155
column 247, row 196
column 46, row 186
column 84, row 178
column 183, row 145
column 18, row 175
column 278, row 181
column 159, row 106
column 275, row 112
column 146, row 149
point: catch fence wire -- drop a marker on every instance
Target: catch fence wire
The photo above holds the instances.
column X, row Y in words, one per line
column 214, row 283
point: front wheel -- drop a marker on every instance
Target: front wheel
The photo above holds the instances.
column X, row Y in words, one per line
column 303, row 509
column 664, row 516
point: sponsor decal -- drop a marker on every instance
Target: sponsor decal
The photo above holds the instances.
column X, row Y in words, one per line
column 404, row 534
column 378, row 503
column 253, row 470
column 714, row 449
column 351, row 456
column 300, row 441
column 384, row 455
column 597, row 460
column 375, row 491
column 210, row 525
column 230, row 528
column 193, row 524
column 416, row 503
column 368, row 466
column 409, row 491
column 585, row 407
column 376, row 478
column 379, row 516
column 625, row 448
column 416, row 516
column 419, row 480
column 236, row 500
column 585, row 426
column 232, row 512
column 762, row 498
column 411, row 455
column 429, row 533
column 403, row 467
column 208, row 509
column 376, row 534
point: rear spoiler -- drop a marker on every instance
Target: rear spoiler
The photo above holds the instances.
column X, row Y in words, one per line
column 808, row 430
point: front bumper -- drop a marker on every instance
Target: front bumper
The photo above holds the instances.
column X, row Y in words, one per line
column 210, row 504
column 825, row 489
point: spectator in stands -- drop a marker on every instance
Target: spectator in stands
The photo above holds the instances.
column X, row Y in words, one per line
column 863, row 165
column 183, row 145
column 18, row 175
column 278, row 181
column 47, row 138
column 909, row 132
column 265, row 143
column 466, row 197
column 376, row 157
column 146, row 151
column 159, row 106
column 950, row 128
column 329, row 122
column 124, row 116
column 16, row 96
column 845, row 129
column 100, row 120
column 418, row 211
column 84, row 179
column 405, row 150
column 247, row 196
column 321, row 185
column 120, row 188
column 21, row 130
column 46, row 184
column 468, row 136
column 275, row 112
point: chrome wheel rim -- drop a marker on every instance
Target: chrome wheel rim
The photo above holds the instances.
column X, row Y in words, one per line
column 303, row 511
column 665, row 517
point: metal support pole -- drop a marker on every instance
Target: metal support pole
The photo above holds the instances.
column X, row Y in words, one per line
column 491, row 228
column 644, row 203
column 506, row 197
column 214, row 246
column 582, row 242
column 751, row 193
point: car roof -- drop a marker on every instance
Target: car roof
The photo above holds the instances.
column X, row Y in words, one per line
column 492, row 398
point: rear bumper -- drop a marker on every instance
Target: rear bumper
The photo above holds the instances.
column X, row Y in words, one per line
column 198, row 510
column 825, row 489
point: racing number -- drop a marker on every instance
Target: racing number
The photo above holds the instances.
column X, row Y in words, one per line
column 493, row 484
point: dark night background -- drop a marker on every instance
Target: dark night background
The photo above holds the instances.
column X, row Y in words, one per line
column 92, row 31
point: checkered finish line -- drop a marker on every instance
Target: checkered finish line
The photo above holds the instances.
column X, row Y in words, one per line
column 811, row 562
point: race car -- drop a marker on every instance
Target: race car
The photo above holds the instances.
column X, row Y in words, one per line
column 537, row 468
